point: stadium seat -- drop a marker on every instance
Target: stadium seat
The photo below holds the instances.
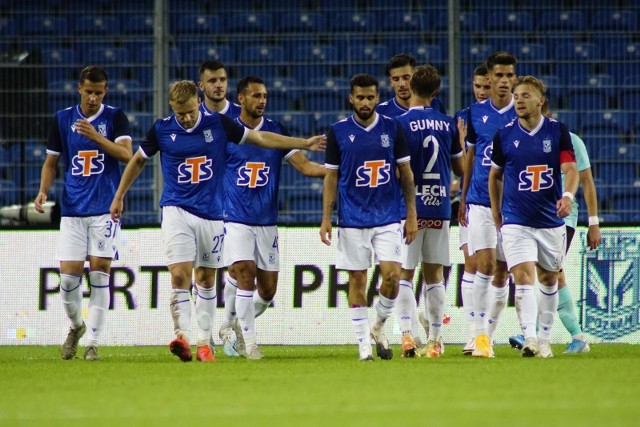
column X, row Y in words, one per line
column 626, row 206
column 613, row 173
column 61, row 63
column 62, row 94
column 323, row 121
column 199, row 54
column 629, row 99
column 404, row 21
column 8, row 192
column 502, row 20
column 140, row 122
column 199, row 23
column 618, row 152
column 371, row 59
column 331, row 83
column 568, row 117
column 251, row 22
column 314, row 60
column 323, row 100
column 298, row 124
column 112, row 58
column 609, row 122
column 577, row 51
column 9, row 26
column 617, row 20
column 566, row 20
column 301, row 21
column 125, row 94
column 353, row 22
column 46, row 25
column 426, row 53
column 97, row 25
column 138, row 24
column 331, row 5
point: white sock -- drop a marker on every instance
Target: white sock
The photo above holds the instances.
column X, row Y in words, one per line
column 528, row 309
column 260, row 305
column 205, row 312
column 180, row 305
column 246, row 316
column 467, row 302
column 406, row 307
column 547, row 308
column 481, row 285
column 496, row 306
column 434, row 295
column 230, row 289
column 384, row 308
column 360, row 322
column 71, row 294
column 98, row 305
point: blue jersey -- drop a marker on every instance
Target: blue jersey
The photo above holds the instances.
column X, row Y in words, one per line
column 432, row 138
column 483, row 122
column 193, row 161
column 91, row 176
column 532, row 175
column 232, row 110
column 251, row 179
column 366, row 160
column 391, row 108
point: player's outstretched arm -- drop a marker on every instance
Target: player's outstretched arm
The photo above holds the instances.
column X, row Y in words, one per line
column 274, row 140
column 131, row 172
column 329, row 192
column 305, row 166
column 496, row 185
column 409, row 194
column 47, row 176
column 591, row 200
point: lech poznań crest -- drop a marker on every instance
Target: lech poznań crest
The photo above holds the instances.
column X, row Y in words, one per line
column 611, row 285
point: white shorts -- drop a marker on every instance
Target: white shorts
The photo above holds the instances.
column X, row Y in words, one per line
column 545, row 246
column 463, row 236
column 357, row 245
column 252, row 243
column 431, row 245
column 88, row 236
column 482, row 232
column 191, row 238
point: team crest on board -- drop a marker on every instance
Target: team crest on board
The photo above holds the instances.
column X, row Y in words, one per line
column 385, row 139
column 208, row 136
column 102, row 128
column 546, row 145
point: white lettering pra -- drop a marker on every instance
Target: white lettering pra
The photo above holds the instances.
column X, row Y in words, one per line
column 423, row 124
column 431, row 190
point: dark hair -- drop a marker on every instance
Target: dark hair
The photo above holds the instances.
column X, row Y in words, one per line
column 425, row 81
column 244, row 83
column 400, row 60
column 94, row 74
column 363, row 80
column 211, row 66
column 500, row 57
column 481, row 70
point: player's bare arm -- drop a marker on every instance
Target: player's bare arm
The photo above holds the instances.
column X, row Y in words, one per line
column 121, row 150
column 305, row 166
column 466, row 181
column 571, row 178
column 329, row 192
column 496, row 185
column 47, row 176
column 131, row 172
column 591, row 200
column 462, row 132
column 274, row 140
column 409, row 193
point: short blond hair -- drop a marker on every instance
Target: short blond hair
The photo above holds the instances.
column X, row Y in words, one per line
column 533, row 82
column 182, row 91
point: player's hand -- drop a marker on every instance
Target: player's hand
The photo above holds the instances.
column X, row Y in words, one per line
column 593, row 236
column 462, row 213
column 410, row 229
column 325, row 232
column 497, row 219
column 317, row 143
column 116, row 209
column 39, row 201
column 563, row 207
column 86, row 129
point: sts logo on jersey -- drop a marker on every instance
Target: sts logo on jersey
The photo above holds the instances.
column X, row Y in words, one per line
column 194, row 170
column 87, row 162
column 253, row 174
column 373, row 173
column 536, row 178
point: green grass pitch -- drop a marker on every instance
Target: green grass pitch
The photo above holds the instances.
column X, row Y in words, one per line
column 319, row 386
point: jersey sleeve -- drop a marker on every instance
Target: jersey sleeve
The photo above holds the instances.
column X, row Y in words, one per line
column 582, row 158
column 470, row 140
column 150, row 145
column 497, row 157
column 332, row 153
column 121, row 127
column 400, row 147
column 54, row 143
column 235, row 131
column 566, row 148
